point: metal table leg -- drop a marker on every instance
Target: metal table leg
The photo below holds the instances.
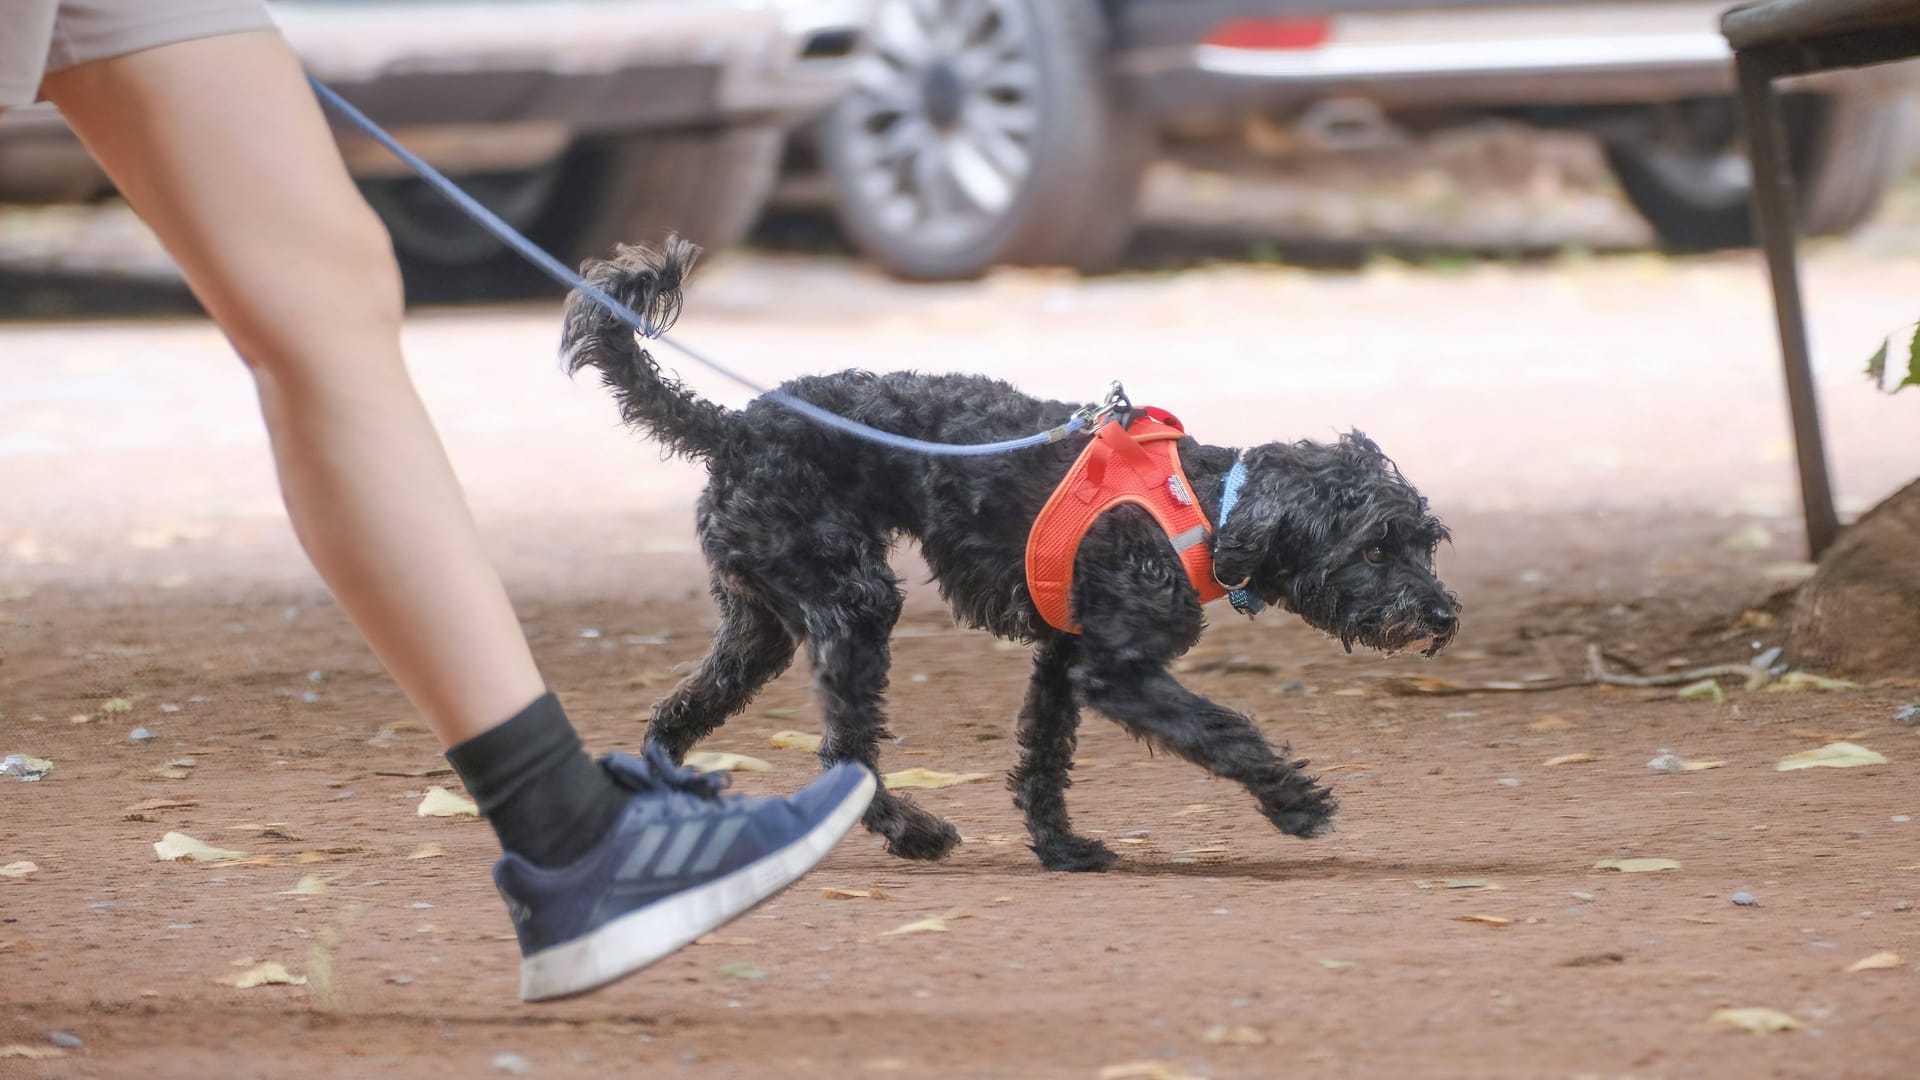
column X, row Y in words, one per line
column 1773, row 220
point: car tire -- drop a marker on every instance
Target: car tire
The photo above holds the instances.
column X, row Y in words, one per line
column 444, row 255
column 964, row 145
column 1693, row 185
column 706, row 186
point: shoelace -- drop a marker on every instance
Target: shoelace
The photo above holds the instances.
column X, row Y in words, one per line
column 658, row 773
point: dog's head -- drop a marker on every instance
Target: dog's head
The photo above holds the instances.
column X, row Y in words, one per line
column 1333, row 532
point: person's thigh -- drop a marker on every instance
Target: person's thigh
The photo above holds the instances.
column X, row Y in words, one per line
column 221, row 146
column 26, row 34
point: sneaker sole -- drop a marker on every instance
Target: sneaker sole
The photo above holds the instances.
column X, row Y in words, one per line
column 640, row 938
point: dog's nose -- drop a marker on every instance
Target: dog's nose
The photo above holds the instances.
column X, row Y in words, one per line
column 1443, row 619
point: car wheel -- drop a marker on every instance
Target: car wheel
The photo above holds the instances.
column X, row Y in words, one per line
column 1692, row 182
column 445, row 255
column 707, row 186
column 983, row 132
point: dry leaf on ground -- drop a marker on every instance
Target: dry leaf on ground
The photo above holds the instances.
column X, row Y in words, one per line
column 927, row 778
column 1223, row 1035
column 854, row 894
column 1756, row 1019
column 1826, row 736
column 1484, row 920
column 712, row 761
column 1551, row 723
column 1837, row 755
column 19, row 871
column 1879, row 961
column 1807, row 680
column 1145, row 1070
column 310, row 885
column 1636, row 866
column 936, row 924
column 271, row 973
column 794, row 740
column 443, row 803
column 1468, row 883
column 31, row 1053
column 147, row 805
column 1572, row 759
column 725, row 939
column 428, row 851
column 1336, row 965
column 179, row 847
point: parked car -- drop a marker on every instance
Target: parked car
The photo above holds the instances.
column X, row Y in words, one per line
column 582, row 123
column 1017, row 131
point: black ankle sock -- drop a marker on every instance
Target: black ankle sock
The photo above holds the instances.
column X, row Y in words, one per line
column 545, row 798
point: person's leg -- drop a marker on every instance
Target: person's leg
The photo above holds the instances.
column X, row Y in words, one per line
column 222, row 149
column 219, row 144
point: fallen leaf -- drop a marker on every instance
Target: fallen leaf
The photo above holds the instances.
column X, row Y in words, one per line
column 709, row 761
column 171, row 772
column 118, row 705
column 936, row 924
column 1704, row 690
column 1877, row 962
column 740, row 971
column 927, row 778
column 1756, row 1019
column 1484, row 920
column 271, row 973
column 1807, row 680
column 1551, row 723
column 19, row 871
column 1347, row 766
column 428, row 851
column 1468, row 883
column 179, row 847
column 1196, row 808
column 1145, row 1070
column 1414, row 684
column 31, row 1053
column 794, row 740
column 1826, row 736
column 1336, row 965
column 1572, row 759
column 311, row 885
column 1222, row 1035
column 148, row 805
column 443, row 803
column 1836, row 755
column 1636, row 866
column 1701, row 766
column 854, row 894
column 725, row 939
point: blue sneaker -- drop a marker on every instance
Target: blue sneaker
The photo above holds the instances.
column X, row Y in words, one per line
column 680, row 861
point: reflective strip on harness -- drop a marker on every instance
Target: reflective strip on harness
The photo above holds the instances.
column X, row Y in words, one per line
column 1139, row 464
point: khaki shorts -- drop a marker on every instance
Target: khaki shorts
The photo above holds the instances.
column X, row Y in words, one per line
column 39, row 36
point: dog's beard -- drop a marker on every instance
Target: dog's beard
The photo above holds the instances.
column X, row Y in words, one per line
column 1393, row 627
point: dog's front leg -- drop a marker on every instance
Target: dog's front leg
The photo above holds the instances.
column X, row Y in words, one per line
column 1151, row 704
column 1039, row 783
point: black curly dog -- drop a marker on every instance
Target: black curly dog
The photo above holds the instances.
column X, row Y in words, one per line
column 797, row 521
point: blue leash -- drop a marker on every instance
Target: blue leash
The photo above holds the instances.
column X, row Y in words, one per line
column 561, row 273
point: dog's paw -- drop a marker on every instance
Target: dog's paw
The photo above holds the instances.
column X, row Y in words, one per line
column 1075, row 854
column 923, row 836
column 1307, row 817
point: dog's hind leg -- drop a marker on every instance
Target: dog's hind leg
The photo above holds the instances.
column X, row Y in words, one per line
column 750, row 649
column 1039, row 783
column 847, row 638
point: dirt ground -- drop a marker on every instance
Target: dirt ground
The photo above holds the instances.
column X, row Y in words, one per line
column 1604, row 437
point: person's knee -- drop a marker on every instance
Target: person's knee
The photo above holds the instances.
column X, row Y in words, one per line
column 331, row 293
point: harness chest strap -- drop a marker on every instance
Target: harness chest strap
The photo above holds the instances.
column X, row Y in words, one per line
column 1136, row 463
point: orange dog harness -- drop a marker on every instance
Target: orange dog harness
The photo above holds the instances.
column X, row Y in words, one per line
column 1138, row 463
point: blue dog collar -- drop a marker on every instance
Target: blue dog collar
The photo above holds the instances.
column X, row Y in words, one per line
column 1243, row 599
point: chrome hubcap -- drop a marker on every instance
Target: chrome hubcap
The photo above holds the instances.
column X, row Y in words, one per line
column 939, row 129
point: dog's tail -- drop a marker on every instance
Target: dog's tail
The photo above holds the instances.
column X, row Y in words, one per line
column 647, row 281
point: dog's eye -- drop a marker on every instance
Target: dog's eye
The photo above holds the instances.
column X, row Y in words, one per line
column 1374, row 555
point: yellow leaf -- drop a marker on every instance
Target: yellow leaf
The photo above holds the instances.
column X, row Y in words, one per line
column 1222, row 1035
column 19, row 871
column 31, row 1053
column 311, row 885
column 794, row 740
column 1701, row 766
column 171, row 772
column 927, row 778
column 1878, row 961
column 1756, row 1019
column 179, row 847
column 1551, row 723
column 936, row 924
column 443, row 803
column 270, row 973
column 710, row 761
column 1806, row 680
column 854, row 894
column 428, row 851
column 1838, row 755
column 1336, row 965
column 1826, row 736
column 1145, row 1070
column 1572, row 759
column 1636, row 866
column 117, row 705
column 1484, row 920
